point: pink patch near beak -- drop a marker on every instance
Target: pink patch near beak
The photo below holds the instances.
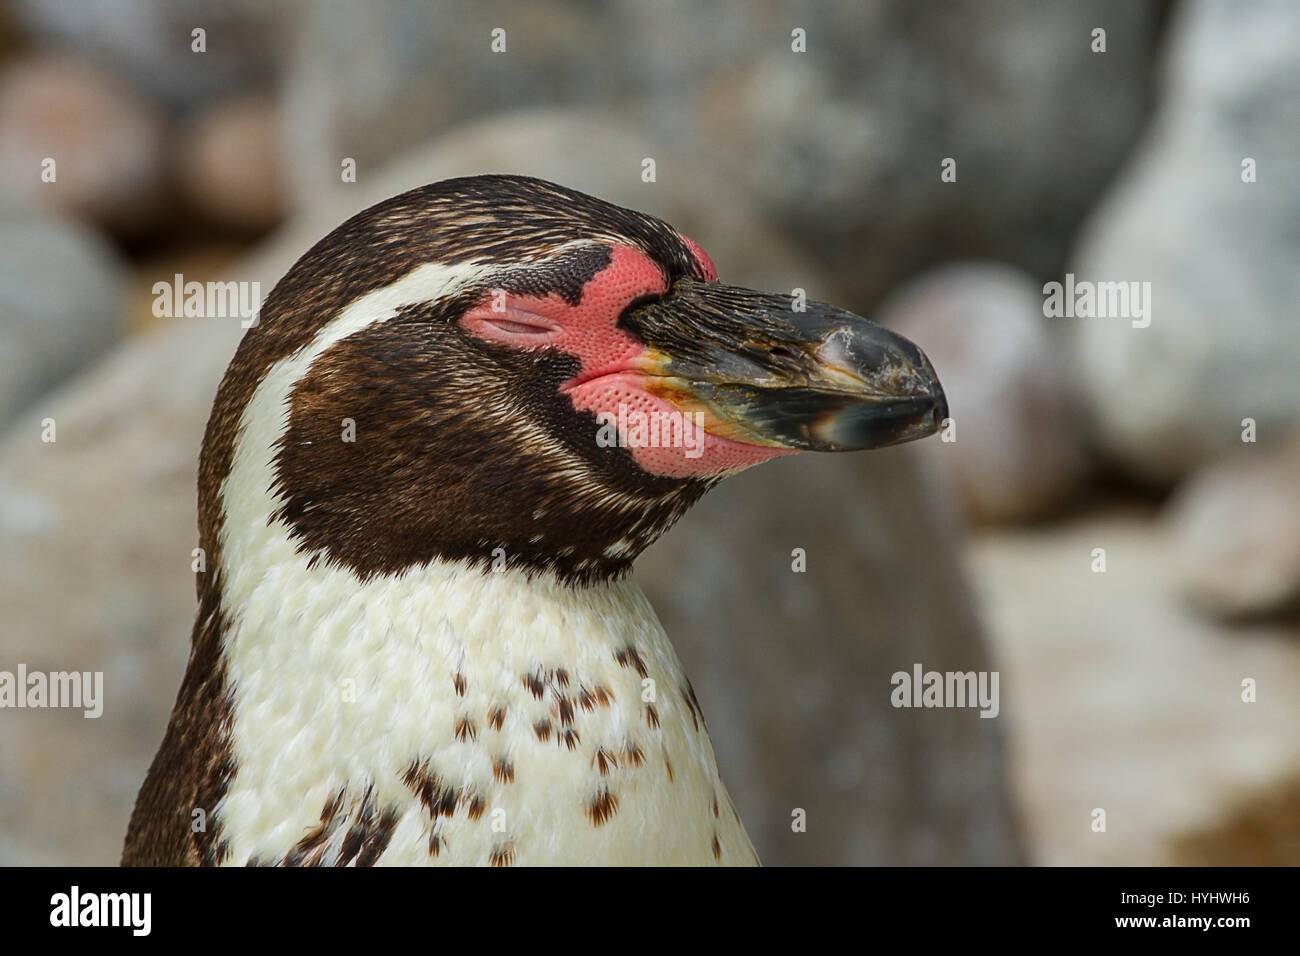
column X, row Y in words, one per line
column 662, row 439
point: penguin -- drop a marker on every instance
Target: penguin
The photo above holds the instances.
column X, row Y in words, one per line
column 427, row 473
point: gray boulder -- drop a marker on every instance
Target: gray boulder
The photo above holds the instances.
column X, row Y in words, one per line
column 1220, row 253
column 151, row 45
column 794, row 668
column 60, row 294
column 840, row 144
column 1237, row 525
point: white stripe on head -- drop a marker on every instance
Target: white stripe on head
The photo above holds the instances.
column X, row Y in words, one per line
column 247, row 495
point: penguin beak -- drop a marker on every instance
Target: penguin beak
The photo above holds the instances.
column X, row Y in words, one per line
column 761, row 372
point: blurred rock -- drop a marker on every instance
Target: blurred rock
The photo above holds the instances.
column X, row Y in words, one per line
column 60, row 296
column 1116, row 696
column 228, row 164
column 1237, row 525
column 150, row 43
column 1018, row 453
column 842, row 144
column 106, row 142
column 1220, row 254
column 95, row 537
column 879, row 784
column 794, row 669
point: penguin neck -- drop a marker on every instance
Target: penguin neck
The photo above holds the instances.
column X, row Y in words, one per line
column 511, row 691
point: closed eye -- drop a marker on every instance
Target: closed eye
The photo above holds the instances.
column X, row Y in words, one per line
column 518, row 328
column 511, row 326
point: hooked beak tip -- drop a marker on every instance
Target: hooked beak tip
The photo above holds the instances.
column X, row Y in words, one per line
column 901, row 398
column 937, row 396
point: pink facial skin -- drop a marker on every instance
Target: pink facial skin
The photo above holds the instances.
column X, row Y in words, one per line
column 612, row 370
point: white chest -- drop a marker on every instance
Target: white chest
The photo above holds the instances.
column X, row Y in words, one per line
column 452, row 716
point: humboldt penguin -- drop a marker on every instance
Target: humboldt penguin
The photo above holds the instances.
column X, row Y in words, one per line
column 428, row 470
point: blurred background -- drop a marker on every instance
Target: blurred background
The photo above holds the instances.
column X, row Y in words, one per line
column 1115, row 156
